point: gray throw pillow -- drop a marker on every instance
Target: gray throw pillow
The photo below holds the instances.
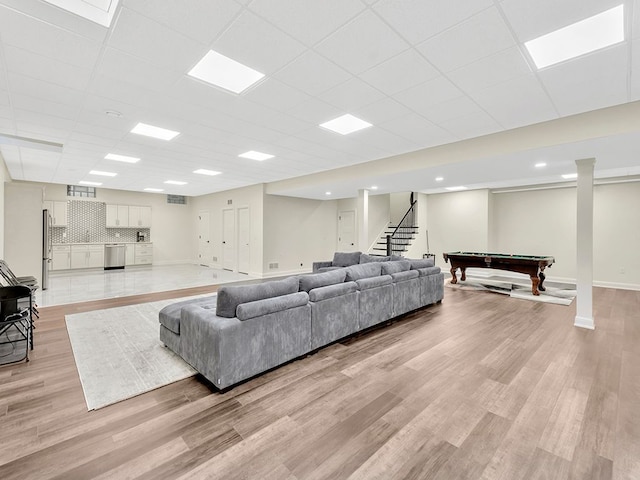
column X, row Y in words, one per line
column 229, row 297
column 315, row 280
column 364, row 270
column 344, row 259
column 421, row 263
column 365, row 258
column 398, row 266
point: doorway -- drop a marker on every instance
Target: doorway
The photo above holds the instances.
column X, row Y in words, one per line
column 204, row 239
column 244, row 239
column 228, row 239
column 346, row 230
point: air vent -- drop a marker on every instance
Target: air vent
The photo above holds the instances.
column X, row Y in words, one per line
column 229, row 202
column 273, row 266
column 177, row 199
column 81, row 191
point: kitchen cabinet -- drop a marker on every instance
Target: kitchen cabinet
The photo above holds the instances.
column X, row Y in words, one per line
column 117, row 216
column 58, row 212
column 129, row 255
column 139, row 216
column 143, row 254
column 87, row 255
column 60, row 257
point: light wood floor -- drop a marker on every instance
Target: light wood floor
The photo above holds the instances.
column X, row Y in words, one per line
column 480, row 387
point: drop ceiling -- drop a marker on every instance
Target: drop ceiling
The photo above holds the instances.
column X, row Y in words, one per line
column 425, row 73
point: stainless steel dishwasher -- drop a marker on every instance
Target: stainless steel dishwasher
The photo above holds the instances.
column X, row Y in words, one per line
column 114, row 254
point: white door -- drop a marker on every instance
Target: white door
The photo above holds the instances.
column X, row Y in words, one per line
column 244, row 236
column 228, row 240
column 347, row 231
column 204, row 240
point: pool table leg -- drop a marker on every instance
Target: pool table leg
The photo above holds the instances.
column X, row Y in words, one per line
column 454, row 279
column 463, row 273
column 535, row 281
column 542, row 276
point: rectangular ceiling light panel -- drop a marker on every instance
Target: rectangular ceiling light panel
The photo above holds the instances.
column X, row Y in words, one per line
column 204, row 171
column 121, row 158
column 586, row 36
column 223, row 72
column 154, row 132
column 98, row 11
column 345, row 124
column 102, row 174
column 175, row 182
column 85, row 182
column 259, row 156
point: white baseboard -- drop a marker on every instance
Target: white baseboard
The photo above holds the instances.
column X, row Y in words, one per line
column 584, row 322
column 272, row 274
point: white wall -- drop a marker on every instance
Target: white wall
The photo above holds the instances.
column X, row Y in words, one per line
column 379, row 215
column 23, row 228
column 458, row 221
column 170, row 224
column 399, row 203
column 298, row 232
column 215, row 203
column 419, row 245
column 4, row 177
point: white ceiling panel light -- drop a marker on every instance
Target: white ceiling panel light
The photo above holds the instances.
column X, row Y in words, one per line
column 570, row 176
column 456, row 189
column 86, row 182
column 540, row 165
column 98, row 11
column 102, row 174
column 204, row 171
column 580, row 38
column 121, row 158
column 259, row 156
column 154, row 132
column 345, row 124
column 224, row 72
column 175, row 182
column 156, row 190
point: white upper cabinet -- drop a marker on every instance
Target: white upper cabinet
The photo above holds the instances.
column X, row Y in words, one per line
column 117, row 216
column 140, row 216
column 58, row 212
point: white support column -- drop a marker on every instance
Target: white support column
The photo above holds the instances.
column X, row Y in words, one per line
column 584, row 245
column 363, row 220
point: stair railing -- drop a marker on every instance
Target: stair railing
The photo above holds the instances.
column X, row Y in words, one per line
column 402, row 230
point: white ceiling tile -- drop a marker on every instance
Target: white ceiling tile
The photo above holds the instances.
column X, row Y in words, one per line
column 590, row 82
column 307, row 20
column 201, row 20
column 418, row 20
column 256, row 43
column 388, row 143
column 362, row 44
column 45, row 39
column 276, row 95
column 490, row 70
column 38, row 105
column 382, row 111
column 151, row 41
column 471, row 126
column 482, row 35
column 400, row 72
column 516, row 102
column 288, row 124
column 530, row 20
column 450, row 110
column 635, row 71
column 419, row 130
column 351, row 95
column 312, row 74
column 421, row 97
column 315, row 112
column 50, row 92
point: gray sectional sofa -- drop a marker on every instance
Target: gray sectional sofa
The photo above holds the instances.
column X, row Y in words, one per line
column 249, row 329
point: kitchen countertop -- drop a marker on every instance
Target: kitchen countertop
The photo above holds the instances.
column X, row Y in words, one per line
column 102, row 243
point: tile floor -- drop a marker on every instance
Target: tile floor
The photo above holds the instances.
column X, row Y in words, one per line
column 82, row 285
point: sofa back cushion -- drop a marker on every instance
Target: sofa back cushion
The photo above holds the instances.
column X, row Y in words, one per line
column 344, row 259
column 315, row 280
column 229, row 297
column 417, row 263
column 364, row 270
column 365, row 258
column 397, row 266
column 259, row 308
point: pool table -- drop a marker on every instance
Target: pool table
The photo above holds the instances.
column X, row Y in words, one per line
column 528, row 264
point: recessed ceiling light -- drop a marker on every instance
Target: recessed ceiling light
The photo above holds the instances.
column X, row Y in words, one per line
column 327, row 193
column 85, row 182
column 569, row 176
column 252, row 155
column 374, row 187
column 153, row 190
column 155, row 132
column 223, row 72
column 99, row 12
column 121, row 158
column 345, row 124
column 540, row 165
column 580, row 38
column 204, row 171
column 113, row 113
column 456, row 189
column 439, row 179
column 175, row 182
column 103, row 174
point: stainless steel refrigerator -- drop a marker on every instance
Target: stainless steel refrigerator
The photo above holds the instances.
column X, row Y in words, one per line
column 46, row 248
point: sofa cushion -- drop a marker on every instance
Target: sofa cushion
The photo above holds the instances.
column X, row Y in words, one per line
column 315, row 280
column 373, row 282
column 246, row 311
column 365, row 258
column 344, row 259
column 417, row 263
column 327, row 269
column 396, row 258
column 363, row 270
column 331, row 291
column 428, row 271
column 229, row 297
column 404, row 276
column 394, row 267
column 169, row 316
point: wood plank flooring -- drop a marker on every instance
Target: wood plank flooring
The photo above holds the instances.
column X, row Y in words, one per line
column 481, row 386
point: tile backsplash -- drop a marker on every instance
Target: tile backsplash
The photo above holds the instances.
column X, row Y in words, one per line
column 86, row 223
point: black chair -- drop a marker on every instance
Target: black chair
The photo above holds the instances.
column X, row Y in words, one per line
column 10, row 279
column 16, row 324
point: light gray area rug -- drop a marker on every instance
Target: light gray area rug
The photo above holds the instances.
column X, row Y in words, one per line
column 561, row 294
column 119, row 354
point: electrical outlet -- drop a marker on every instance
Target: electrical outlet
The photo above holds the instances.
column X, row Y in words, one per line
column 117, row 235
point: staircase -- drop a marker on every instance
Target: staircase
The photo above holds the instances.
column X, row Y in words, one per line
column 396, row 239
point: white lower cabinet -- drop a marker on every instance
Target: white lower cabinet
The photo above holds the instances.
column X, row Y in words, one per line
column 87, row 256
column 60, row 257
column 129, row 255
column 143, row 254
